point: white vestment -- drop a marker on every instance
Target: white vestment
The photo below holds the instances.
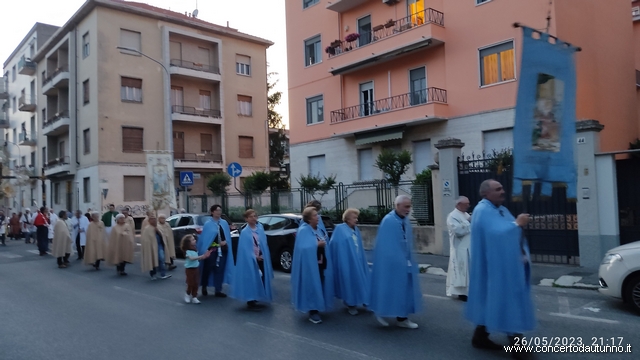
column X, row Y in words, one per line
column 460, row 243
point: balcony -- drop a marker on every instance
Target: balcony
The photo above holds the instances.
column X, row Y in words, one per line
column 4, row 120
column 27, row 103
column 28, row 139
column 194, row 70
column 433, row 97
column 4, row 88
column 197, row 161
column 386, row 42
column 58, row 79
column 56, row 125
column 58, row 166
column 189, row 113
column 26, row 67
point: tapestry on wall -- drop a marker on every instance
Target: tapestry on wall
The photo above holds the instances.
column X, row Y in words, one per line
column 545, row 122
column 160, row 184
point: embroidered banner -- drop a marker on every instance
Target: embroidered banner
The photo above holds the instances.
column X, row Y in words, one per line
column 544, row 130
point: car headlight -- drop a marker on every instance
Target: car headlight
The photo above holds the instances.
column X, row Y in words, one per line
column 611, row 258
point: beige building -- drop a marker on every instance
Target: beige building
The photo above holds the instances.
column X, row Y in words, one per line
column 120, row 78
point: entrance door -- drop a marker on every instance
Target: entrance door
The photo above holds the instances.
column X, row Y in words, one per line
column 178, row 145
column 366, row 98
column 364, row 30
column 418, row 83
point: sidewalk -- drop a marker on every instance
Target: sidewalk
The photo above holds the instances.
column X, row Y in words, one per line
column 557, row 275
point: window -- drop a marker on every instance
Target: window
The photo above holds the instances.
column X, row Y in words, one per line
column 307, row 3
column 312, row 51
column 130, row 89
column 315, row 110
column 246, row 146
column 497, row 64
column 86, row 136
column 130, row 40
column 85, row 45
column 86, row 189
column 85, row 92
column 56, row 193
column 243, row 65
column 497, row 140
column 132, row 139
column 245, row 107
column 422, row 156
column 365, row 164
column 133, row 188
column 316, row 165
column 206, row 143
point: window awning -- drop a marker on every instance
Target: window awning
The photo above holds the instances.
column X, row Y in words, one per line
column 371, row 137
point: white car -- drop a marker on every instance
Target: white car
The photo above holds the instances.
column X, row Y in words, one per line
column 620, row 274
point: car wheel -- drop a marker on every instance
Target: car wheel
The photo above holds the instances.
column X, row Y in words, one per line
column 632, row 292
column 286, row 258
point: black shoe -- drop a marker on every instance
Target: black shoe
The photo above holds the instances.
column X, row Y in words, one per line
column 481, row 340
column 221, row 294
column 462, row 297
column 204, row 291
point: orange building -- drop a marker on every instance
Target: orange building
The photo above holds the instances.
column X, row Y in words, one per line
column 404, row 74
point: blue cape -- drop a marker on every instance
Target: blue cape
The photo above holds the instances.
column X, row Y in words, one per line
column 246, row 278
column 307, row 292
column 209, row 232
column 351, row 275
column 499, row 288
column 395, row 287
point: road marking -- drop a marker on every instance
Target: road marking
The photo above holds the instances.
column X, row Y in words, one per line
column 436, row 296
column 132, row 292
column 316, row 343
column 588, row 318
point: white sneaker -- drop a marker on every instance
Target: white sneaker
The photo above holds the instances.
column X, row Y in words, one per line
column 195, row 301
column 187, row 298
column 382, row 321
column 407, row 324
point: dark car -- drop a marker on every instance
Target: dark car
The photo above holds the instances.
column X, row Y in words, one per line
column 281, row 230
column 191, row 224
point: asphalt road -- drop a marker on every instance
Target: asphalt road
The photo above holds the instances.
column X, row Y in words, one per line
column 80, row 313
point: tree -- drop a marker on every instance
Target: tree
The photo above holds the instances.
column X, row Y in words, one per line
column 393, row 164
column 313, row 184
column 218, row 182
column 278, row 141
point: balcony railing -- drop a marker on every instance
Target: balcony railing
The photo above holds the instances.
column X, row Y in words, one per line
column 190, row 110
column 61, row 115
column 64, row 160
column 420, row 97
column 61, row 69
column 195, row 66
column 391, row 27
column 193, row 157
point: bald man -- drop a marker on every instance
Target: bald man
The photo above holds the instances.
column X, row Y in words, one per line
column 459, row 225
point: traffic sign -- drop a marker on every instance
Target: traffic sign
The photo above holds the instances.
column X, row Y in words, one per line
column 234, row 169
column 186, row 178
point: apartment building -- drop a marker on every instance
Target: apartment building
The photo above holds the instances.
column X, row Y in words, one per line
column 403, row 74
column 19, row 117
column 121, row 78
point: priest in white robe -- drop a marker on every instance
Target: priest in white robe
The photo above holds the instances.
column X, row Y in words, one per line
column 459, row 225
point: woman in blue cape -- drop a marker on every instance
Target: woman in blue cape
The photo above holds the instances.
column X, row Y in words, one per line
column 350, row 268
column 253, row 272
column 311, row 277
column 217, row 268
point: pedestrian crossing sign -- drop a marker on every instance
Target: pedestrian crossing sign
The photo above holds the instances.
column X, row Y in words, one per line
column 186, row 178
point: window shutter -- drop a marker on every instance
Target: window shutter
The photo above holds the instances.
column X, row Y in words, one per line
column 246, row 146
column 132, row 139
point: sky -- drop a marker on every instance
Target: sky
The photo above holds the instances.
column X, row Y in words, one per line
column 263, row 18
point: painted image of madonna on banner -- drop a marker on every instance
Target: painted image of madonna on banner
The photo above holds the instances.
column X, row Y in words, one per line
column 546, row 124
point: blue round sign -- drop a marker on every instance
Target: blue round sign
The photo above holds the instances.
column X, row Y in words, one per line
column 234, row 169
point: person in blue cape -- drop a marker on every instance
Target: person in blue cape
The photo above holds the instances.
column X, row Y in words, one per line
column 253, row 272
column 311, row 277
column 395, row 288
column 499, row 285
column 350, row 268
column 217, row 268
column 318, row 206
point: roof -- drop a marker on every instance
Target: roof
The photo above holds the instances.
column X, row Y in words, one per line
column 37, row 27
column 149, row 11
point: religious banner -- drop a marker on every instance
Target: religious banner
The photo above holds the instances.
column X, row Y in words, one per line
column 545, row 122
column 160, row 185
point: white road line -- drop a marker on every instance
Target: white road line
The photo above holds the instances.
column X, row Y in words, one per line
column 316, row 343
column 587, row 318
column 148, row 296
column 436, row 297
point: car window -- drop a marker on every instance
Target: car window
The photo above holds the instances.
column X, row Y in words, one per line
column 203, row 219
column 185, row 220
column 278, row 222
column 264, row 220
column 172, row 221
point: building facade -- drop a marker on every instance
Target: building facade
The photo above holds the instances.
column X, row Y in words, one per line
column 404, row 74
column 20, row 119
column 121, row 78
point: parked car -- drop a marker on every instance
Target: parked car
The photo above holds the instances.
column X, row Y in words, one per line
column 620, row 274
column 185, row 224
column 281, row 230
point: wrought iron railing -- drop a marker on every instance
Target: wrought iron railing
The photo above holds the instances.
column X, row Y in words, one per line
column 420, row 97
column 390, row 28
column 64, row 160
column 190, row 110
column 193, row 157
column 195, row 66
column 61, row 69
column 56, row 117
